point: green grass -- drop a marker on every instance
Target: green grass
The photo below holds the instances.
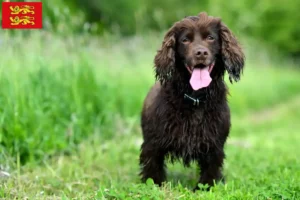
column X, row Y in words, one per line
column 69, row 119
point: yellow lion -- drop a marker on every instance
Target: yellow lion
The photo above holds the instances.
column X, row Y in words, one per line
column 15, row 10
column 22, row 20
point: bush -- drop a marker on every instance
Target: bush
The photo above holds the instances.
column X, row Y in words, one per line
column 270, row 21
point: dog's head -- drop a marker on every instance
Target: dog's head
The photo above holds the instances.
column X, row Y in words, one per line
column 200, row 47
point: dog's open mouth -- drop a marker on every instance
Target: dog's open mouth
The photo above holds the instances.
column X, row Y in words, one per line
column 200, row 75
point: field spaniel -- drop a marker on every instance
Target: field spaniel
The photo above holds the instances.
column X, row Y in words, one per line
column 185, row 114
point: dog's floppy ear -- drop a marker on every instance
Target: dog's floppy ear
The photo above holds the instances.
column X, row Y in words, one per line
column 232, row 54
column 165, row 58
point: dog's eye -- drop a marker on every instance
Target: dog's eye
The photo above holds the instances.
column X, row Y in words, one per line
column 210, row 37
column 185, row 40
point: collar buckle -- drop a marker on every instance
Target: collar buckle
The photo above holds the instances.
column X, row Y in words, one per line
column 192, row 100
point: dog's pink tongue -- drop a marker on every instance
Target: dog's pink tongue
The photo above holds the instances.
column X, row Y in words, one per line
column 200, row 78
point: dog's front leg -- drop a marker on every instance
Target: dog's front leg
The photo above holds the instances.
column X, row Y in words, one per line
column 152, row 164
column 211, row 168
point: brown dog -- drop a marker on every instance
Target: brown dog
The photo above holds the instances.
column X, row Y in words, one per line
column 186, row 115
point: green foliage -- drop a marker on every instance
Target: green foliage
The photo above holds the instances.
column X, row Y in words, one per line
column 261, row 163
column 78, row 99
column 278, row 24
column 272, row 22
column 63, row 17
column 53, row 97
column 65, row 89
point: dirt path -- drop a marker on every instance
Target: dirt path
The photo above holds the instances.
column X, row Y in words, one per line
column 272, row 112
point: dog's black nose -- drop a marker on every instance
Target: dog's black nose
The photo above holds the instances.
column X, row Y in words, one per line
column 201, row 53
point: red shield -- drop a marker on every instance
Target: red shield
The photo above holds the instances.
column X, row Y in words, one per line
column 22, row 15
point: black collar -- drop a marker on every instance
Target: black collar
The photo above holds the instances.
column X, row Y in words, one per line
column 194, row 101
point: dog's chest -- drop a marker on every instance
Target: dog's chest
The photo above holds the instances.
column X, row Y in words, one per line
column 188, row 130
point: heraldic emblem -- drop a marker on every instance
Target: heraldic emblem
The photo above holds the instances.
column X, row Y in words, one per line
column 22, row 15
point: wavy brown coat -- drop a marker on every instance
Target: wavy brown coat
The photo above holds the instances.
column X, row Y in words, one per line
column 175, row 129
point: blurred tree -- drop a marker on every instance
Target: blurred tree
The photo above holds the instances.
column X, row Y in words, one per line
column 270, row 21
